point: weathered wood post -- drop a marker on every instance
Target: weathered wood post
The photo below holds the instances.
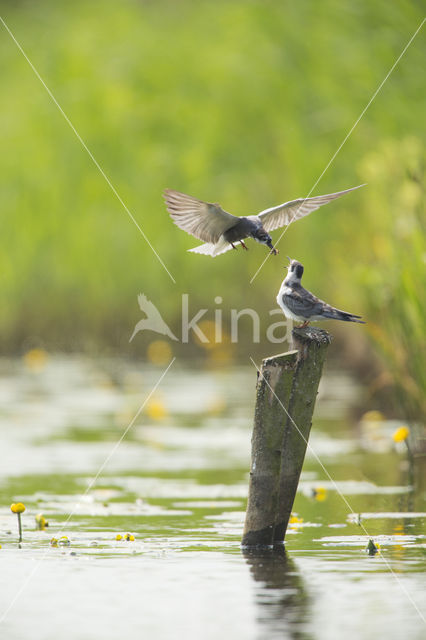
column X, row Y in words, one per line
column 285, row 399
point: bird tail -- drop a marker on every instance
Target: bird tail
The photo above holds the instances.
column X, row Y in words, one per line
column 337, row 314
column 212, row 249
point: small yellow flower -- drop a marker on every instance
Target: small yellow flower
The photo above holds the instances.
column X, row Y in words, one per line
column 319, row 493
column 129, row 537
column 41, row 522
column 156, row 409
column 17, row 507
column 401, row 434
column 35, row 359
column 159, row 352
column 372, row 416
column 294, row 519
column 118, row 536
column 64, row 541
column 54, row 542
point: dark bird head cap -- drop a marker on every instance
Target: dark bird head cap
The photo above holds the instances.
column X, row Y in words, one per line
column 296, row 268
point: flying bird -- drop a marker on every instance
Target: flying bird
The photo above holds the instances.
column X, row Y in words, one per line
column 301, row 305
column 220, row 230
column 153, row 320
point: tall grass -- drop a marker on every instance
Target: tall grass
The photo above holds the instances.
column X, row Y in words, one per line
column 238, row 102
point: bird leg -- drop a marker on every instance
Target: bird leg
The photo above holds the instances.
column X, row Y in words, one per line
column 243, row 245
column 305, row 324
column 232, row 245
column 274, row 251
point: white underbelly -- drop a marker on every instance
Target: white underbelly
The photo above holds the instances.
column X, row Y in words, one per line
column 287, row 312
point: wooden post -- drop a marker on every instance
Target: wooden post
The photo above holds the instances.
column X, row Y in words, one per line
column 273, row 386
column 285, row 401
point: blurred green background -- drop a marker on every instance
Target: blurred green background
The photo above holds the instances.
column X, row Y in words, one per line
column 238, row 102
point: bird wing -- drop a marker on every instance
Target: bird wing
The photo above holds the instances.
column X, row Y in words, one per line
column 203, row 220
column 302, row 303
column 284, row 214
column 212, row 249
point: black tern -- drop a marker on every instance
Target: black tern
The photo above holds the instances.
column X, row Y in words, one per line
column 219, row 230
column 301, row 305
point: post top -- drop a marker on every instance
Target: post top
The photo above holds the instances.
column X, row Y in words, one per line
column 312, row 334
column 281, row 358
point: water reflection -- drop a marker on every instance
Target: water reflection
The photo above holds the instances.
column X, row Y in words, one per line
column 281, row 598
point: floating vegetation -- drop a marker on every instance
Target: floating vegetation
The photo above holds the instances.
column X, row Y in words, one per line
column 127, row 537
column 41, row 522
column 319, row 493
column 372, row 549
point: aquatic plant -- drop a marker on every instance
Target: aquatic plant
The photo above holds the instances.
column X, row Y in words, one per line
column 41, row 522
column 18, row 508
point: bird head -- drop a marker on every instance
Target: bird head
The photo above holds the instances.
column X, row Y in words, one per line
column 295, row 271
column 263, row 237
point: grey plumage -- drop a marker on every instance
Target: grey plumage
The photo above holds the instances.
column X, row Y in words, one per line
column 219, row 230
column 301, row 305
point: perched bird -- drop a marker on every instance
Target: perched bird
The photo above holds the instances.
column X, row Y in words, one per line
column 301, row 305
column 220, row 229
column 153, row 320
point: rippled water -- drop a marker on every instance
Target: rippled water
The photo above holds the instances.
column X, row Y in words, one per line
column 178, row 482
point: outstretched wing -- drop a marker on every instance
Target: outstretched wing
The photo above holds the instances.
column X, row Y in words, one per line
column 203, row 220
column 284, row 214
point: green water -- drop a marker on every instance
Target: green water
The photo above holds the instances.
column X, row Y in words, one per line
column 178, row 483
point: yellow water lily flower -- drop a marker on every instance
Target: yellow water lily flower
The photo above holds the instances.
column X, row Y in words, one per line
column 372, row 416
column 35, row 359
column 319, row 493
column 129, row 537
column 156, row 409
column 159, row 352
column 41, row 522
column 118, row 536
column 401, row 434
column 294, row 519
column 17, row 507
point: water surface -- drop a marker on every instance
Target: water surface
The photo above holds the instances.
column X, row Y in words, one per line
column 178, row 483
